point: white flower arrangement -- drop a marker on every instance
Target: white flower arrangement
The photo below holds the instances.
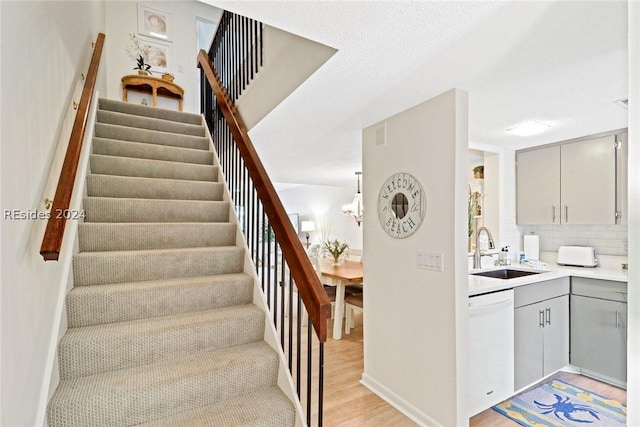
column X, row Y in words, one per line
column 336, row 249
column 139, row 52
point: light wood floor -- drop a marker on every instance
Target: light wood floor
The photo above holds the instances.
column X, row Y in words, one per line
column 347, row 403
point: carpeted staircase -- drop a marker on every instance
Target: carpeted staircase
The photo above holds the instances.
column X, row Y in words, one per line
column 162, row 327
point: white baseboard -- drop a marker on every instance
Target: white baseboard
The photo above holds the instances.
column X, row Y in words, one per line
column 398, row 402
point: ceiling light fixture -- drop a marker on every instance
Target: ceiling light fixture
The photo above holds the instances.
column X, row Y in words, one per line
column 355, row 208
column 528, row 128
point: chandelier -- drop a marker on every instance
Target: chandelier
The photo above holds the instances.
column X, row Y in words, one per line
column 355, row 208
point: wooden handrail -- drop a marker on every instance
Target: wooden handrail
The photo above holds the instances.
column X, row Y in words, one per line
column 52, row 241
column 311, row 291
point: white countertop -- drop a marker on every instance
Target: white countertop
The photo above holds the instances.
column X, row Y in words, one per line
column 609, row 268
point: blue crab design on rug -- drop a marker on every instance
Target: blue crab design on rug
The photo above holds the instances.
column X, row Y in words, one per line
column 558, row 403
column 563, row 407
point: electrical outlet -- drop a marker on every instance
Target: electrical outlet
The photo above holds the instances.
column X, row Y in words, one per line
column 625, row 247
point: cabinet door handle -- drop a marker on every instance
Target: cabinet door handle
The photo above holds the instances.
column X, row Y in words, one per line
column 541, row 318
column 548, row 315
column 617, row 319
column 566, row 214
column 553, row 213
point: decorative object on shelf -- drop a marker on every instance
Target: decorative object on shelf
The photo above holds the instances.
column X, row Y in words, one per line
column 402, row 204
column 154, row 23
column 478, row 172
column 139, row 52
column 306, row 227
column 473, row 208
column 167, row 76
column 338, row 250
column 355, row 208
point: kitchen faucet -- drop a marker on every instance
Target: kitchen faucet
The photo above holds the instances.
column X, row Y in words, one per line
column 477, row 257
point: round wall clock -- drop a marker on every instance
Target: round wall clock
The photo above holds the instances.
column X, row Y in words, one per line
column 402, row 204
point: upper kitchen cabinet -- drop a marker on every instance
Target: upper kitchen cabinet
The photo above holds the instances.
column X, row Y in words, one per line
column 577, row 182
column 538, row 186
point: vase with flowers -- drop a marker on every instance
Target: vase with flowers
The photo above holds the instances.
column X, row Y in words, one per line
column 338, row 251
column 139, row 52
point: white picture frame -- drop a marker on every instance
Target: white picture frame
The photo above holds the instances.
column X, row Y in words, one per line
column 159, row 56
column 154, row 23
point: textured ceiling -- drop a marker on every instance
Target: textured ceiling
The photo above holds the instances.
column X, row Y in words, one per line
column 563, row 63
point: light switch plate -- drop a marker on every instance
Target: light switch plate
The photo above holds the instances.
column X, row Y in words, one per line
column 430, row 261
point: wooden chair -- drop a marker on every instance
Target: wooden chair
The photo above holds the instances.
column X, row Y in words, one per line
column 351, row 303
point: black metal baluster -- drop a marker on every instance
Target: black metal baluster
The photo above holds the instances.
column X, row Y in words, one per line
column 290, row 358
column 299, row 347
column 283, row 287
column 276, row 264
column 237, row 52
column 309, row 360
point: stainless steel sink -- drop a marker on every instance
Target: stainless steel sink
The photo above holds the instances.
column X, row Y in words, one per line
column 505, row 273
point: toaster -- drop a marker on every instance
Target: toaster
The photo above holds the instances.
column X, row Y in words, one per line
column 578, row 256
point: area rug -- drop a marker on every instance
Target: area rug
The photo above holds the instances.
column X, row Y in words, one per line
column 558, row 403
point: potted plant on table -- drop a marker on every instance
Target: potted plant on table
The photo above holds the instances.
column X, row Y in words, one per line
column 338, row 250
column 139, row 52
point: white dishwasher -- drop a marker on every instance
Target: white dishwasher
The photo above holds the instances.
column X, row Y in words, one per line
column 491, row 343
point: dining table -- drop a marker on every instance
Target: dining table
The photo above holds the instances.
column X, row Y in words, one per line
column 346, row 273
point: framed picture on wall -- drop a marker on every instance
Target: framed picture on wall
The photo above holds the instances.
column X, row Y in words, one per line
column 154, row 23
column 159, row 56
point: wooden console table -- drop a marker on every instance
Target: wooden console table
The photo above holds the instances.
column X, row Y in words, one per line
column 153, row 85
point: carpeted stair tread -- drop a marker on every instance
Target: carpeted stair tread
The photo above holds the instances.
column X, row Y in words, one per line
column 152, row 188
column 147, row 168
column 150, row 123
column 141, row 394
column 111, row 303
column 266, row 407
column 141, row 150
column 141, row 110
column 101, row 268
column 105, row 130
column 99, row 237
column 109, row 209
column 95, row 349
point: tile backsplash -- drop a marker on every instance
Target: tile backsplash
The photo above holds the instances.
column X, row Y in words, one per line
column 606, row 239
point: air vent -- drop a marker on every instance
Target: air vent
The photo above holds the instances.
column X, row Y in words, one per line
column 381, row 135
column 624, row 103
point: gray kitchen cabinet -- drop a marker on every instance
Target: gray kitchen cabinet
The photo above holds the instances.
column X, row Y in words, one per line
column 569, row 183
column 538, row 186
column 599, row 328
column 541, row 325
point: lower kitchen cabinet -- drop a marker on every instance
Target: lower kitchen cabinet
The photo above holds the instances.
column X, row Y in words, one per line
column 541, row 324
column 599, row 329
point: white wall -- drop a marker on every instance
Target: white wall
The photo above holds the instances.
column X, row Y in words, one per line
column 122, row 19
column 633, row 331
column 45, row 47
column 323, row 204
column 415, row 329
